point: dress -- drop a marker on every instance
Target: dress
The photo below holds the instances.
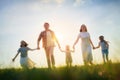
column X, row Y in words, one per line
column 85, row 46
column 25, row 61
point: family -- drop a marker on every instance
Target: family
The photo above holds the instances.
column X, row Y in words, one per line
column 49, row 38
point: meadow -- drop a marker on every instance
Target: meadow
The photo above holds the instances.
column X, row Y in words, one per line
column 109, row 71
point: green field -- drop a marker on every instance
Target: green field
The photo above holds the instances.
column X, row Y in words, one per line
column 110, row 71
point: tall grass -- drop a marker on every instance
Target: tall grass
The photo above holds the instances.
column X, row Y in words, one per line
column 110, row 71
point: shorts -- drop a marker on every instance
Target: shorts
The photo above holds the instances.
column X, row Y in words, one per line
column 105, row 51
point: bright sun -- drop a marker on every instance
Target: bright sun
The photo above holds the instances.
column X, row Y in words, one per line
column 59, row 36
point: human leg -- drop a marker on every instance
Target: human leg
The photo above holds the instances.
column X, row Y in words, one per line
column 47, row 56
column 107, row 55
column 52, row 56
column 103, row 58
column 70, row 61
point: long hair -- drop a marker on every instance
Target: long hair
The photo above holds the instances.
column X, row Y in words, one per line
column 83, row 25
column 23, row 44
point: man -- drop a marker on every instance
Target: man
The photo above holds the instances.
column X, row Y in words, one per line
column 48, row 39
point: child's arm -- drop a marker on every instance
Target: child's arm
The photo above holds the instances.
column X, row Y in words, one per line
column 73, row 50
column 62, row 50
column 32, row 49
column 15, row 57
column 107, row 44
column 98, row 46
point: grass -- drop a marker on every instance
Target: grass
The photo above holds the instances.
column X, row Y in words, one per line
column 110, row 71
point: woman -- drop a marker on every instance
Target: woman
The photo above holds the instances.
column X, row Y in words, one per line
column 85, row 45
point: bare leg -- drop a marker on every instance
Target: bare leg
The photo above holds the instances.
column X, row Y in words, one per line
column 85, row 62
column 67, row 63
column 70, row 64
column 103, row 58
column 107, row 57
column 91, row 62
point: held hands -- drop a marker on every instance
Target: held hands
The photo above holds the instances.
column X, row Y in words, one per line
column 60, row 49
column 94, row 47
column 13, row 59
column 38, row 48
column 73, row 47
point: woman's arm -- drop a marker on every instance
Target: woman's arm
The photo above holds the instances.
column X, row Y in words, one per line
column 73, row 50
column 91, row 43
column 76, row 42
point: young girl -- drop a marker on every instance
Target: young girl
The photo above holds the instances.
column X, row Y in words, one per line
column 68, row 55
column 24, row 60
column 104, row 48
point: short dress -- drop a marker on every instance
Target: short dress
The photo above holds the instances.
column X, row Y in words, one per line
column 85, row 46
column 25, row 61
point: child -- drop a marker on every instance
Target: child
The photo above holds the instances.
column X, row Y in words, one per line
column 68, row 55
column 24, row 60
column 104, row 48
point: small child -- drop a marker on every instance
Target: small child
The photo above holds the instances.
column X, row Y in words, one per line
column 104, row 48
column 68, row 55
column 24, row 60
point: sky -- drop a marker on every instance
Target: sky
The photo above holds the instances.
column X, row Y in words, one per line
column 24, row 19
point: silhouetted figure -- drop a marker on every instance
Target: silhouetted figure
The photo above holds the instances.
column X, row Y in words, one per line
column 68, row 55
column 85, row 44
column 104, row 48
column 48, row 39
column 24, row 60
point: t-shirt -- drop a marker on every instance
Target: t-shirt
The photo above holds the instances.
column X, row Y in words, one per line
column 103, row 45
column 23, row 51
column 48, row 38
column 50, row 41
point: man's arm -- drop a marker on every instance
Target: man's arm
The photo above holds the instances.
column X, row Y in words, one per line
column 38, row 41
column 55, row 38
